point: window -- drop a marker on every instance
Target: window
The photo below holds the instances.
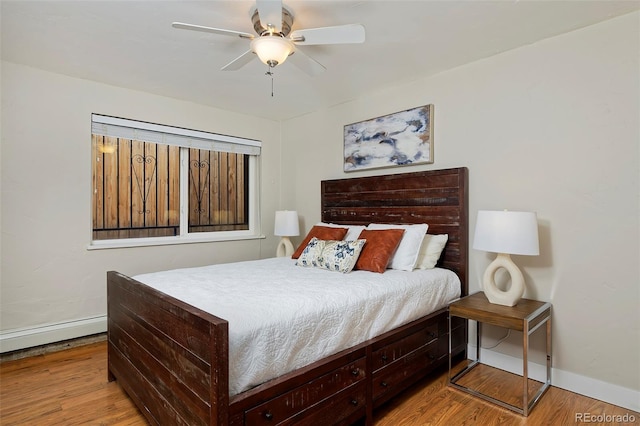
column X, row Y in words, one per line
column 157, row 184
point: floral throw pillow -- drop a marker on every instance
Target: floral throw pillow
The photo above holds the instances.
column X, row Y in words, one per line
column 340, row 256
column 312, row 253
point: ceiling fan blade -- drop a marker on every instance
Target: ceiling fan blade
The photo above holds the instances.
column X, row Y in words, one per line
column 239, row 62
column 270, row 12
column 306, row 63
column 341, row 34
column 183, row 26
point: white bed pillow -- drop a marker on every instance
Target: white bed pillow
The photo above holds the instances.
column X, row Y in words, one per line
column 430, row 251
column 352, row 233
column 340, row 256
column 406, row 254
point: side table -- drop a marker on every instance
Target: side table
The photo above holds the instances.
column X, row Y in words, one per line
column 527, row 316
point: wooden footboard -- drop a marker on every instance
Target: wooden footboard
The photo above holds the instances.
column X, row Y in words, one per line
column 171, row 358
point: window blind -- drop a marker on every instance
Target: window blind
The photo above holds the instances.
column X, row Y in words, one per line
column 169, row 135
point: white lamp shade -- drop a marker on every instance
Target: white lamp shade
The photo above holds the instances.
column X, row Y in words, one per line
column 507, row 232
column 272, row 48
column 286, row 223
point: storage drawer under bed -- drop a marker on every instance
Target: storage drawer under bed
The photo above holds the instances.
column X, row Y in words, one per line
column 317, row 399
column 389, row 380
column 396, row 350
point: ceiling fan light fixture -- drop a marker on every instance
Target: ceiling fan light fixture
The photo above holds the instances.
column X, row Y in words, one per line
column 272, row 49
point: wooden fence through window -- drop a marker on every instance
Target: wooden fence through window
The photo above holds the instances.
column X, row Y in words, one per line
column 137, row 189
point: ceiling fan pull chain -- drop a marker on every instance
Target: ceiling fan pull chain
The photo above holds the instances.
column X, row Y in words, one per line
column 270, row 74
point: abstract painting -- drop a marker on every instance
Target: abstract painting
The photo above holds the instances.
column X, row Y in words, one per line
column 397, row 139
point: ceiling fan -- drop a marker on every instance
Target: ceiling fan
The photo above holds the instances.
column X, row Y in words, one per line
column 275, row 42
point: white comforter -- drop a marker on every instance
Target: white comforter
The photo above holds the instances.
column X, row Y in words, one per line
column 283, row 317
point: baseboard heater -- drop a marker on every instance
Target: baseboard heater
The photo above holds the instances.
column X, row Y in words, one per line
column 13, row 340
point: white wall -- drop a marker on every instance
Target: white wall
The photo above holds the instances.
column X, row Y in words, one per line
column 554, row 128
column 49, row 280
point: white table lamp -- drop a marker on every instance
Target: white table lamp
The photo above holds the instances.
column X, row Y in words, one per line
column 286, row 226
column 505, row 233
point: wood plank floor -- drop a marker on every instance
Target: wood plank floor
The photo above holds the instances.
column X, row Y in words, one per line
column 70, row 387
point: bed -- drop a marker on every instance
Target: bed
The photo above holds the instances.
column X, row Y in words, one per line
column 172, row 357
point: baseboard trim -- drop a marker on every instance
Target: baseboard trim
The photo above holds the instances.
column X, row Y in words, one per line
column 14, row 340
column 587, row 386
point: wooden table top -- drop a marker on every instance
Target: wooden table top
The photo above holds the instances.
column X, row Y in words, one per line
column 476, row 307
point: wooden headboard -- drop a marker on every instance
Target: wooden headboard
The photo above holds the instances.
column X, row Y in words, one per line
column 436, row 197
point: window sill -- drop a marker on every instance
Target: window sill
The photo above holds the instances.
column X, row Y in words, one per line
column 165, row 241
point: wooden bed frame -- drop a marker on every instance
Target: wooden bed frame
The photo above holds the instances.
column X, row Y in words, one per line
column 172, row 358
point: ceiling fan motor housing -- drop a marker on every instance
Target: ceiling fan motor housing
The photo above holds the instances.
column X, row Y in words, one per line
column 287, row 22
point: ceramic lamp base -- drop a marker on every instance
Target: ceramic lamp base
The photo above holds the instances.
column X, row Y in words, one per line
column 494, row 294
column 285, row 248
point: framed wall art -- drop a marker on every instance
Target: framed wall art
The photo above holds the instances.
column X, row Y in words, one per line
column 398, row 139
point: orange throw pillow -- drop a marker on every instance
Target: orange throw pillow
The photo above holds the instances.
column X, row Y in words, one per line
column 321, row 233
column 377, row 251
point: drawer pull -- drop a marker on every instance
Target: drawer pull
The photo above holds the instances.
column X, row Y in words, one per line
column 384, row 357
column 431, row 356
column 268, row 415
column 431, row 334
column 354, row 402
column 355, row 371
column 384, row 384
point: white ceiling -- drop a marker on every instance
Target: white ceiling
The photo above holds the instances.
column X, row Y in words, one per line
column 132, row 44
